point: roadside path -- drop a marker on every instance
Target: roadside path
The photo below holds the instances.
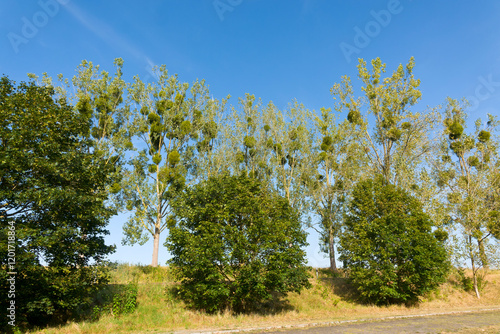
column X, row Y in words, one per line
column 415, row 324
column 423, row 323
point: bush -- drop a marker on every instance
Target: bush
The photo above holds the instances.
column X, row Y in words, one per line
column 125, row 301
column 116, row 300
column 467, row 283
column 235, row 244
column 388, row 245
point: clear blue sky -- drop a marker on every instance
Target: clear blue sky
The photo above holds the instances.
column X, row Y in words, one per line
column 278, row 50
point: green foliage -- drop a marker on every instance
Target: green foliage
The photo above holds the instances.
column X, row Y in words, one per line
column 456, row 129
column 473, row 161
column 240, row 157
column 471, row 184
column 457, row 147
column 179, row 127
column 335, row 169
column 249, row 141
column 186, row 127
column 394, row 134
column 441, row 235
column 327, row 140
column 354, row 117
column 406, row 125
column 156, row 159
column 493, row 224
column 173, row 158
column 388, row 245
column 116, row 300
column 235, row 244
column 52, row 191
column 467, row 283
column 125, row 302
column 484, row 136
column 397, row 142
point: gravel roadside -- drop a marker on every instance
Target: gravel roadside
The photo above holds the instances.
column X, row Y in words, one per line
column 476, row 321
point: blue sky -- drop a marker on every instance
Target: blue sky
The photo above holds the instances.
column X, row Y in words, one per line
column 278, row 50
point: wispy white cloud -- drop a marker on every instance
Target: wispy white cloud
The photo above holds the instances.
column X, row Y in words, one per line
column 106, row 32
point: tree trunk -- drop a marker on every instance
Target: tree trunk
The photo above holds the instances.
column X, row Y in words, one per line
column 474, row 271
column 476, row 289
column 482, row 254
column 331, row 251
column 156, row 246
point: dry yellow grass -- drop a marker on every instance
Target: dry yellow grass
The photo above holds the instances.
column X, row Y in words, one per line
column 328, row 300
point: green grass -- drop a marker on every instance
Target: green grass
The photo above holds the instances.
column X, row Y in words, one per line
column 329, row 299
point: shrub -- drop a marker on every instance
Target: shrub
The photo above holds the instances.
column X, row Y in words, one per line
column 235, row 244
column 115, row 300
column 125, row 301
column 389, row 247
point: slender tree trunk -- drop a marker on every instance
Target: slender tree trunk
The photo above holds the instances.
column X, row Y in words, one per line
column 482, row 254
column 331, row 250
column 474, row 277
column 474, row 271
column 156, row 246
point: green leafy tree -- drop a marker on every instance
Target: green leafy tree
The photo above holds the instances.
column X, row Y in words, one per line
column 246, row 139
column 52, row 204
column 287, row 143
column 98, row 96
column 168, row 128
column 273, row 145
column 338, row 161
column 399, row 141
column 468, row 173
column 388, row 245
column 213, row 154
column 236, row 244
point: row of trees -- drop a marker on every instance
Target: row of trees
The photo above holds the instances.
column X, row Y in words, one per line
column 171, row 134
column 138, row 146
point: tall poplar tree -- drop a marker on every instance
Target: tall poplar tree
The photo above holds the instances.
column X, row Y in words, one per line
column 399, row 138
column 469, row 176
column 100, row 96
column 338, row 161
column 273, row 145
column 288, row 142
column 167, row 128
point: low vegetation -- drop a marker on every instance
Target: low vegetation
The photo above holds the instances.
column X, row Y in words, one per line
column 330, row 298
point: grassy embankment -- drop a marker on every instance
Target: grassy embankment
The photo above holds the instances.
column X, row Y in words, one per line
column 329, row 299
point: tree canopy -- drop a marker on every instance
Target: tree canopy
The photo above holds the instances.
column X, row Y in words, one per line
column 467, row 172
column 171, row 122
column 235, row 186
column 388, row 245
column 234, row 243
column 52, row 192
